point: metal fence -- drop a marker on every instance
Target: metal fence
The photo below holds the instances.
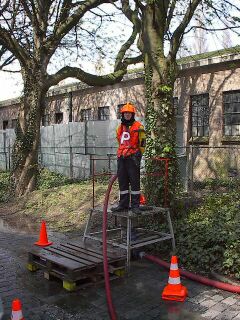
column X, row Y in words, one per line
column 70, row 149
column 212, row 165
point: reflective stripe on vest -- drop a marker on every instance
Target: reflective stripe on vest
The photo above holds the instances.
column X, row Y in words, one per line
column 128, row 139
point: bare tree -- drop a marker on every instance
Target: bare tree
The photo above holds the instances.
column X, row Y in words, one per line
column 33, row 32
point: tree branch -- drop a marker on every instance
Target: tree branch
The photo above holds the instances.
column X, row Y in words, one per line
column 130, row 14
column 6, row 61
column 178, row 33
column 64, row 13
column 65, row 26
column 124, row 48
column 88, row 78
column 13, row 46
column 4, row 7
column 170, row 14
column 211, row 29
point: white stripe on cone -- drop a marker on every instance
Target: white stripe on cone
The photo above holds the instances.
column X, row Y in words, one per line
column 174, row 266
column 17, row 315
column 174, row 280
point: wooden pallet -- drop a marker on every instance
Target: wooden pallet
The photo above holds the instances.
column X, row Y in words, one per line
column 77, row 264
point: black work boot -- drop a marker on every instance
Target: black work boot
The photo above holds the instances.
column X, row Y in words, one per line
column 118, row 209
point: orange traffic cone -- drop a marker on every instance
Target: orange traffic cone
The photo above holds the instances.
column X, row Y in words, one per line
column 174, row 290
column 43, row 238
column 17, row 310
column 142, row 199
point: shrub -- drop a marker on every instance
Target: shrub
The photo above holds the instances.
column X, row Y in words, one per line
column 48, row 179
column 208, row 237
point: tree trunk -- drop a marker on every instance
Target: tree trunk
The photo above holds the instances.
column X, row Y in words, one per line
column 160, row 74
column 25, row 151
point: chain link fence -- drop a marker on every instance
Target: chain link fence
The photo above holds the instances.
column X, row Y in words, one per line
column 209, row 166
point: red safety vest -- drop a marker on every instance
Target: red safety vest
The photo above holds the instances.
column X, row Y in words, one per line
column 128, row 139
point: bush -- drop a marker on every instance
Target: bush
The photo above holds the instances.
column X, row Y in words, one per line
column 48, row 179
column 208, row 237
column 216, row 184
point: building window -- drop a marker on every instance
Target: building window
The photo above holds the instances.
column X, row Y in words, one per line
column 5, row 124
column 46, row 120
column 103, row 113
column 14, row 123
column 119, row 107
column 58, row 117
column 200, row 115
column 231, row 113
column 86, row 115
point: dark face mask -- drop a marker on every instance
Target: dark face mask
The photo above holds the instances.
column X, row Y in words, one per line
column 128, row 123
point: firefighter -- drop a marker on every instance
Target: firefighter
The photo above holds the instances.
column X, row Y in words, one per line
column 131, row 141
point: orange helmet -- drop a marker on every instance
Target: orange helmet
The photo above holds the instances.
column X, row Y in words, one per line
column 128, row 107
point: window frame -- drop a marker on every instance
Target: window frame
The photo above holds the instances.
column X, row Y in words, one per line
column 102, row 116
column 5, row 124
column 86, row 115
column 56, row 117
column 232, row 114
column 203, row 127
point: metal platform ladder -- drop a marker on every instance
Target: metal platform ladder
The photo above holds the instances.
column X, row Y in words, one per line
column 126, row 233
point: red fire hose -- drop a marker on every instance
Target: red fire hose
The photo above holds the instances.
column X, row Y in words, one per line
column 195, row 277
column 111, row 308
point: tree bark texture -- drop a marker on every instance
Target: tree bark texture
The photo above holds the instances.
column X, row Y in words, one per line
column 160, row 74
column 25, row 151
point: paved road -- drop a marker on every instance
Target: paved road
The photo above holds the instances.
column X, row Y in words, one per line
column 135, row 297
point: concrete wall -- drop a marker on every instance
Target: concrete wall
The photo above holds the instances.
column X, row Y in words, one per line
column 70, row 148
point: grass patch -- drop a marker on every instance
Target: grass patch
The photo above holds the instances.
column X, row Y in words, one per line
column 64, row 204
